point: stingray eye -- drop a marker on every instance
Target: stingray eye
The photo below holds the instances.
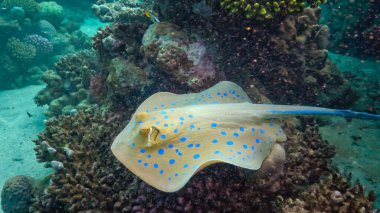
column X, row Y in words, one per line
column 151, row 133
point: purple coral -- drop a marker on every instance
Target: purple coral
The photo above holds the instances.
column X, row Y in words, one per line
column 43, row 45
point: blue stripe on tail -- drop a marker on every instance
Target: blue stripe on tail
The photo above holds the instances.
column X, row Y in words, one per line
column 324, row 111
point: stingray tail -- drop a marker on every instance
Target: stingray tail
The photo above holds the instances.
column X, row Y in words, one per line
column 274, row 111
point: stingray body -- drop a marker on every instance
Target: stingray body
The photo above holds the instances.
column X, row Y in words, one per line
column 170, row 137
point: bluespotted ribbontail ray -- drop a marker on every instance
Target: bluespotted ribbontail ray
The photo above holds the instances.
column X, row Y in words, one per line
column 170, row 137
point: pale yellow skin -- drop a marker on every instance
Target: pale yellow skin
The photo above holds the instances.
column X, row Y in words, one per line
column 232, row 115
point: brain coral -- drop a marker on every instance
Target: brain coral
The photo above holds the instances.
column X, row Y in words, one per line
column 17, row 194
column 30, row 7
column 20, row 51
column 51, row 12
column 267, row 9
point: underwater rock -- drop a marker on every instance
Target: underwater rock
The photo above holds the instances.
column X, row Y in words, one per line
column 17, row 13
column 67, row 86
column 17, row 194
column 187, row 62
column 121, row 11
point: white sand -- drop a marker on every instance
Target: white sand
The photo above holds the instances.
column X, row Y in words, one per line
column 17, row 130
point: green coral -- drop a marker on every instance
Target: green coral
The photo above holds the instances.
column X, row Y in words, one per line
column 267, row 9
column 30, row 7
column 20, row 51
column 51, row 12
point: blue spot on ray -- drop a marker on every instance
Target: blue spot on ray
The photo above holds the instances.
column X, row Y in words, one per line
column 196, row 156
column 171, row 161
column 183, row 139
column 214, row 125
column 230, row 143
column 161, row 151
column 155, row 165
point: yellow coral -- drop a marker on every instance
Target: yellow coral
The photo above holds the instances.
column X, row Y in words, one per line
column 266, row 9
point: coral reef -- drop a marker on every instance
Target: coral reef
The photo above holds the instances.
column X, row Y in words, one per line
column 30, row 7
column 262, row 9
column 285, row 61
column 88, row 174
column 51, row 12
column 17, row 194
column 88, row 178
column 67, row 86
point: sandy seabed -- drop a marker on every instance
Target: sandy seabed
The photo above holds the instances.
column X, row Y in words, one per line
column 17, row 130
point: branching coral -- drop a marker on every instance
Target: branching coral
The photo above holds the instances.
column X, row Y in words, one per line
column 43, row 46
column 87, row 176
column 267, row 9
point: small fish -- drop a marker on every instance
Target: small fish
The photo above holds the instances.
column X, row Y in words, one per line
column 171, row 137
column 29, row 115
column 151, row 16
